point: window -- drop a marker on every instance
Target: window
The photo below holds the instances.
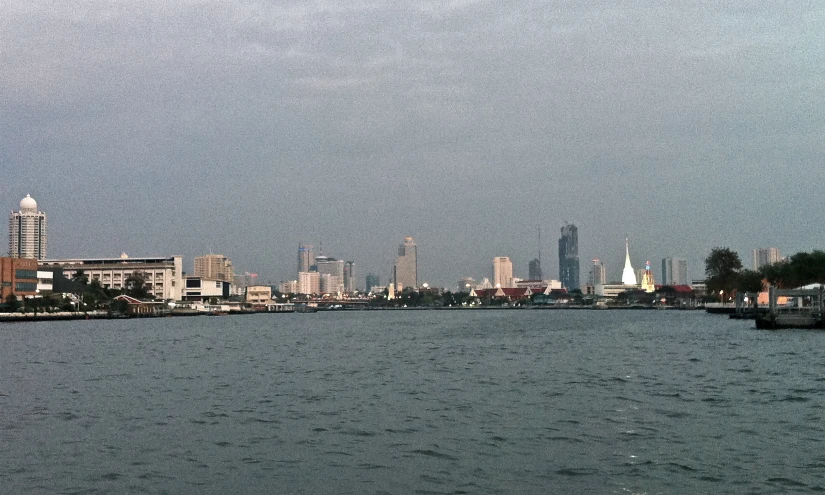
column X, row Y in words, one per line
column 193, row 283
column 25, row 287
column 217, row 285
column 25, row 274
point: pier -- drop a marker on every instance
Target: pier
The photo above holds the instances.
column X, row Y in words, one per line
column 793, row 308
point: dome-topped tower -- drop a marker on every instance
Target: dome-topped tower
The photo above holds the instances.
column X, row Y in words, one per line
column 27, row 231
column 28, row 205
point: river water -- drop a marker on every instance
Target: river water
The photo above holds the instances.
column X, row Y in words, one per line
column 412, row 402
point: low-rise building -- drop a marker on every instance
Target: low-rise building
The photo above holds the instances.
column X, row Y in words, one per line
column 18, row 276
column 163, row 276
column 258, row 294
column 199, row 289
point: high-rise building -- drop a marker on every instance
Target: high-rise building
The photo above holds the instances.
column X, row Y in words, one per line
column 27, row 231
column 372, row 281
column 761, row 257
column 502, row 271
column 674, row 271
column 349, row 276
column 306, row 256
column 309, row 283
column 214, row 267
column 628, row 276
column 598, row 275
column 534, row 270
column 466, row 284
column 405, row 271
column 335, row 269
column 569, row 257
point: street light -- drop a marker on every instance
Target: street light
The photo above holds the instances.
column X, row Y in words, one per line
column 721, row 296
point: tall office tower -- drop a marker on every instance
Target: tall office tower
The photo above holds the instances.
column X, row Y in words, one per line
column 534, row 270
column 569, row 257
column 309, row 283
column 598, row 275
column 27, row 231
column 674, row 271
column 372, row 281
column 349, row 276
column 761, row 257
column 502, row 272
column 335, row 269
column 628, row 276
column 306, row 256
column 215, row 267
column 405, row 271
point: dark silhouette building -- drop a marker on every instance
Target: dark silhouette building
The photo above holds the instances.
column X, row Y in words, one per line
column 569, row 257
column 534, row 270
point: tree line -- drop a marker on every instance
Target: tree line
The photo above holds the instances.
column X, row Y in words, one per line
column 725, row 274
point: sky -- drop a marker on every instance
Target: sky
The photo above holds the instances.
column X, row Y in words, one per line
column 185, row 127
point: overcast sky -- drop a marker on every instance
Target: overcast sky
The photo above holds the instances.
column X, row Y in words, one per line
column 162, row 127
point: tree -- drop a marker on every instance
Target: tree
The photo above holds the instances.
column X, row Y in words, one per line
column 800, row 269
column 722, row 270
column 136, row 285
column 12, row 303
column 80, row 277
column 749, row 281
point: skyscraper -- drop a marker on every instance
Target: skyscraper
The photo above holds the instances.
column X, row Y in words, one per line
column 761, row 257
column 349, row 276
column 215, row 267
column 569, row 257
column 502, row 272
column 306, row 256
column 534, row 270
column 335, row 269
column 27, row 231
column 405, row 271
column 598, row 275
column 372, row 280
column 674, row 271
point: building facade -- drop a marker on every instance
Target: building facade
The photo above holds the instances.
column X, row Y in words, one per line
column 534, row 270
column 502, row 272
column 309, row 283
column 27, row 231
column 258, row 294
column 598, row 274
column 215, row 267
column 163, row 275
column 674, row 271
column 349, row 277
column 18, row 276
column 306, row 257
column 204, row 289
column 372, row 281
column 762, row 257
column 405, row 271
column 569, row 257
column 335, row 269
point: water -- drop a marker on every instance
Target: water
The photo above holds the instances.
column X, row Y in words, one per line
column 412, row 402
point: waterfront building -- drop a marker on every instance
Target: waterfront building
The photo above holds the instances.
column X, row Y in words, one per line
column 628, row 276
column 288, row 287
column 372, row 281
column 27, row 231
column 534, row 284
column 306, row 256
column 699, row 286
column 202, row 288
column 309, row 283
column 761, row 257
column 258, row 294
column 215, row 267
column 18, row 276
column 674, row 271
column 405, row 271
column 502, row 272
column 534, row 270
column 349, row 276
column 163, row 275
column 569, row 257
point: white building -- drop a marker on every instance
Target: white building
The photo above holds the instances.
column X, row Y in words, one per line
column 163, row 275
column 674, row 271
column 27, row 231
column 200, row 288
column 258, row 294
column 628, row 275
column 335, row 269
column 288, row 287
column 405, row 270
column 309, row 283
column 502, row 272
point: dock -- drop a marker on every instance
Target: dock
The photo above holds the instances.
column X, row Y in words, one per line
column 802, row 308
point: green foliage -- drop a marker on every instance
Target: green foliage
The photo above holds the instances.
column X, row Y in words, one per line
column 722, row 270
column 80, row 277
column 12, row 304
column 801, row 269
column 136, row 285
column 749, row 281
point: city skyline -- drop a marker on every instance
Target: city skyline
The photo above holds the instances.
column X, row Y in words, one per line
column 362, row 123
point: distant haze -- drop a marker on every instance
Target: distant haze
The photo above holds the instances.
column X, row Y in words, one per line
column 243, row 128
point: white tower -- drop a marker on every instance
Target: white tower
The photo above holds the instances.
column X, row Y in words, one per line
column 27, row 231
column 628, row 275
